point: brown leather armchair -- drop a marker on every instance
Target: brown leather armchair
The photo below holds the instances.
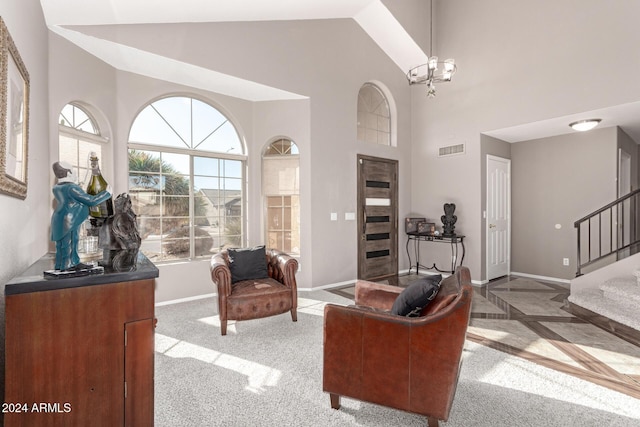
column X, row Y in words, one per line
column 253, row 299
column 407, row 363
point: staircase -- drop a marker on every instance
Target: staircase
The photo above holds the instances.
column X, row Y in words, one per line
column 617, row 299
column 608, row 241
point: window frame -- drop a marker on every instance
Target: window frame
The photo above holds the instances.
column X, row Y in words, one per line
column 192, row 153
column 388, row 100
column 265, row 196
column 81, row 135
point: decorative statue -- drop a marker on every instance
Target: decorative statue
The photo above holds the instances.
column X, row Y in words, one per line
column 71, row 210
column 119, row 237
column 448, row 220
column 120, row 231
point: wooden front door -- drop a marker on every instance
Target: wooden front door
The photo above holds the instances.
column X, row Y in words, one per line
column 377, row 218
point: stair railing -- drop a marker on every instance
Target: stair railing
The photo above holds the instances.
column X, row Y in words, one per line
column 612, row 230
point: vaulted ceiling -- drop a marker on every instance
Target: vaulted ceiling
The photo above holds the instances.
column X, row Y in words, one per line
column 74, row 19
column 71, row 19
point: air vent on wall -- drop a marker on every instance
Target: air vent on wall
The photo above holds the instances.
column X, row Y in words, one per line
column 451, row 150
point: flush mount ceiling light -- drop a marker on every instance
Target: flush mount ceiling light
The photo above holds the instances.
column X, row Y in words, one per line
column 584, row 125
column 433, row 71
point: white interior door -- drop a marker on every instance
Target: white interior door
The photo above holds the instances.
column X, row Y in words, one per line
column 498, row 217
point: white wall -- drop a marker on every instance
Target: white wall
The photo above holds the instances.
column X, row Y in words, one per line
column 556, row 181
column 518, row 62
column 327, row 61
column 24, row 224
column 77, row 76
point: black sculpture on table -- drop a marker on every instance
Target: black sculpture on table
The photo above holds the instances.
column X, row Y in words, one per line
column 119, row 236
column 449, row 220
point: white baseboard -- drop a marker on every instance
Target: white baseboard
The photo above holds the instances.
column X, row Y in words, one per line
column 351, row 282
column 535, row 276
column 329, row 286
column 177, row 301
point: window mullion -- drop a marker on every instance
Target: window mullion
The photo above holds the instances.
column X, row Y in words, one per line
column 192, row 232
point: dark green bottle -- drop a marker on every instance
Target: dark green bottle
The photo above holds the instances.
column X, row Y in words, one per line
column 97, row 184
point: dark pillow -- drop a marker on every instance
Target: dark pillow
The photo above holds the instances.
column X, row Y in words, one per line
column 417, row 295
column 247, row 264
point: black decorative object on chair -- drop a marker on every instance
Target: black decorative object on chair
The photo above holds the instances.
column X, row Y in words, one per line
column 449, row 220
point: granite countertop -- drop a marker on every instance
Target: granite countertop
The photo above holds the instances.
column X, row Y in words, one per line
column 34, row 279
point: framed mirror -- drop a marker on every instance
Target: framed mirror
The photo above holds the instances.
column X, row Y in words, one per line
column 14, row 118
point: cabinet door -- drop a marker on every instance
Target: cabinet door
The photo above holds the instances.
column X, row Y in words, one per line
column 138, row 373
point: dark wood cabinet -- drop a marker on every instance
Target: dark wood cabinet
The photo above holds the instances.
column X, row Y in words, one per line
column 79, row 351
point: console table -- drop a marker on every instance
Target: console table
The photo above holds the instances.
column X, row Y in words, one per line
column 79, row 350
column 453, row 241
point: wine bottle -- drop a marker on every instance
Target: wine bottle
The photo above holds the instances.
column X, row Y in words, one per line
column 97, row 184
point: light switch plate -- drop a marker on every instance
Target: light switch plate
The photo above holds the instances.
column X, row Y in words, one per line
column 334, row 216
column 349, row 216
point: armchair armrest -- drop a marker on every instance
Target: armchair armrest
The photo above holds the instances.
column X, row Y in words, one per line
column 282, row 267
column 220, row 273
column 376, row 295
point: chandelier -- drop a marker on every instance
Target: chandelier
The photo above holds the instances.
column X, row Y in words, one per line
column 434, row 71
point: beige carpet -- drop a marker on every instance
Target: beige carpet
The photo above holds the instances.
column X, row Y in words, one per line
column 268, row 372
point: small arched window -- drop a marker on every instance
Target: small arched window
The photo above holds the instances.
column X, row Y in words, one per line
column 281, row 192
column 78, row 135
column 374, row 116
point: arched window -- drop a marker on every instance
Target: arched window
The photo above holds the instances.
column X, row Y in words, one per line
column 78, row 135
column 186, row 175
column 281, row 192
column 374, row 115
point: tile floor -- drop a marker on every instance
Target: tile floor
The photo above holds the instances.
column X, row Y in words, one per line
column 531, row 319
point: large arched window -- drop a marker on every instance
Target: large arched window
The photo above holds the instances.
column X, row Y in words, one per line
column 281, row 192
column 186, row 175
column 78, row 135
column 374, row 116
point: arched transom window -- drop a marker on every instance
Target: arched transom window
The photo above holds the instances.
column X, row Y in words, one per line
column 374, row 118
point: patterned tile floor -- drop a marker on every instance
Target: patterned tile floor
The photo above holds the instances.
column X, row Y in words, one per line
column 531, row 319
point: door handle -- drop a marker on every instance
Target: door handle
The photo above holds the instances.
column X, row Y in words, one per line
column 364, row 221
column 492, row 226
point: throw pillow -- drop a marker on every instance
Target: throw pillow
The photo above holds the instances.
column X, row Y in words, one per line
column 416, row 296
column 247, row 264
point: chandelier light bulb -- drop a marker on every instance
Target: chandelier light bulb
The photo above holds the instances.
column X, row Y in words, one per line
column 449, row 65
column 433, row 63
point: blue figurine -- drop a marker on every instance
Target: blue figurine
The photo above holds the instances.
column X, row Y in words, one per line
column 72, row 209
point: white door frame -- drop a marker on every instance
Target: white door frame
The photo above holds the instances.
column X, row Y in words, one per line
column 487, row 222
column 624, row 188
